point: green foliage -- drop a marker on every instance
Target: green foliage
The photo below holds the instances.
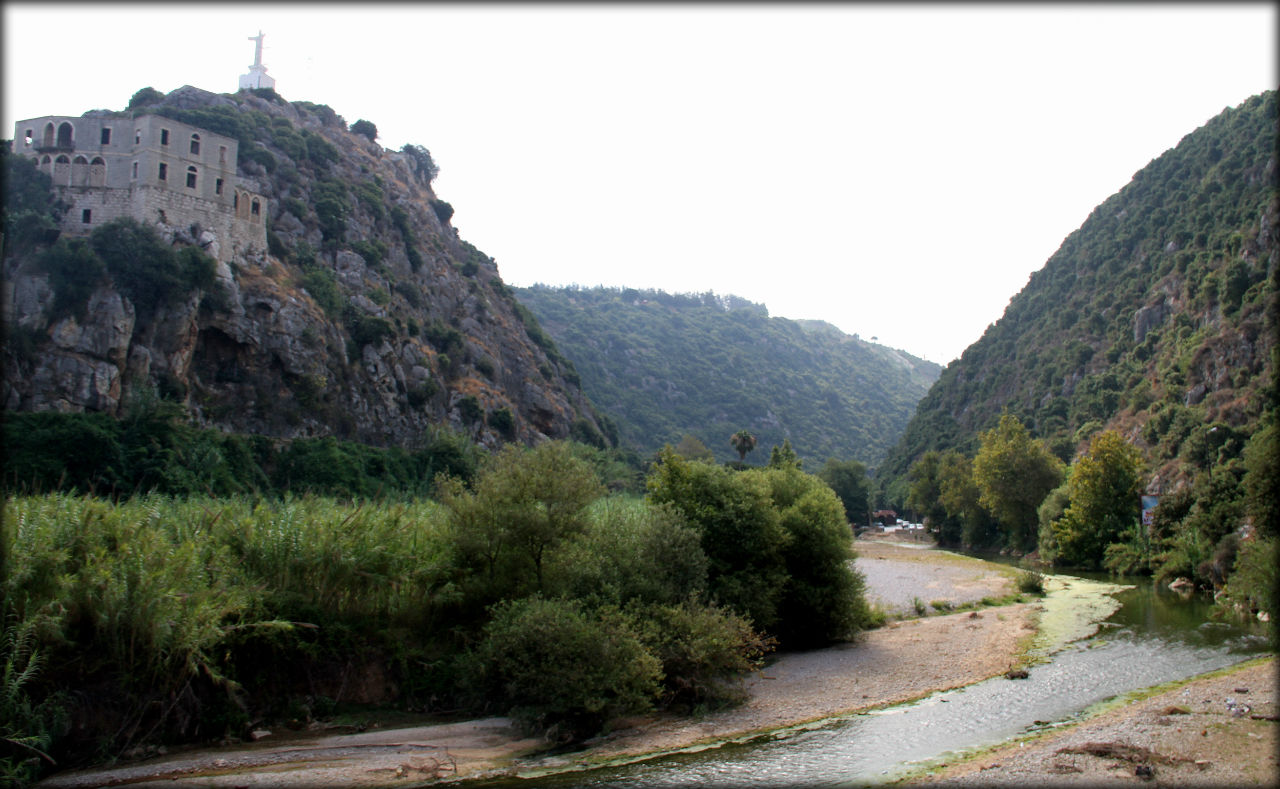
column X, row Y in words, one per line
column 75, row 271
column 522, row 506
column 149, row 272
column 822, row 600
column 848, row 480
column 742, row 442
column 630, row 552
column 323, row 287
column 442, row 210
column 1253, row 582
column 503, row 421
column 703, row 652
column 370, row 330
column 1031, row 582
column 1262, row 480
column 1014, row 473
column 739, row 528
column 424, row 167
column 1139, row 318
column 30, row 210
column 1104, row 490
column 709, row 365
column 329, row 199
column 366, row 128
column 144, row 98
column 155, row 450
column 557, row 667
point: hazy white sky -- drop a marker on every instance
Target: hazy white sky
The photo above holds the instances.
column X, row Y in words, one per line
column 897, row 170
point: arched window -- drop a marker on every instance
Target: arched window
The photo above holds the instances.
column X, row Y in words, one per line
column 65, row 135
column 195, row 144
column 97, row 172
column 80, row 171
column 191, row 177
column 255, row 208
column 47, row 142
column 235, row 201
column 62, row 170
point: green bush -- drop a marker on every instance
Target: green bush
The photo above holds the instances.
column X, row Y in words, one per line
column 323, row 287
column 148, row 271
column 1030, row 582
column 632, row 552
column 75, row 271
column 739, row 529
column 365, row 128
column 556, row 667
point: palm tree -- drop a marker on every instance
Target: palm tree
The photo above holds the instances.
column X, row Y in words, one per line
column 744, row 442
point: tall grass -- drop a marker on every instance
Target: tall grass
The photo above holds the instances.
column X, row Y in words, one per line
column 153, row 599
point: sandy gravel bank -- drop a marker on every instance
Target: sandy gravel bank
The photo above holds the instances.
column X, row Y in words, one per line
column 1184, row 736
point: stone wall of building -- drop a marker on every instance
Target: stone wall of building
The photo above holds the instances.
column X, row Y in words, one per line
column 150, row 168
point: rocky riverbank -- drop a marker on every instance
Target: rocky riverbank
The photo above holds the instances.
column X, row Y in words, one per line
column 1216, row 730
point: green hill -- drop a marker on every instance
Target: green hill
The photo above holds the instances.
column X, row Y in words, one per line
column 663, row 366
column 1149, row 318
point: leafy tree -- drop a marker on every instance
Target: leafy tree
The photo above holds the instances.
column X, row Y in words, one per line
column 1014, row 473
column 848, row 479
column 1104, row 489
column 1262, row 480
column 961, row 499
column 822, row 600
column 31, row 211
column 743, row 442
column 784, row 456
column 691, row 448
column 423, row 165
column 366, row 128
column 145, row 98
column 75, row 271
column 739, row 529
column 524, row 505
column 631, row 552
column 925, row 494
column 146, row 269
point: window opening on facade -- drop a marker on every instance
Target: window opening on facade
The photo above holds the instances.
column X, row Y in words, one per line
column 217, row 186
column 135, row 171
column 164, row 136
column 164, row 171
column 48, row 135
column 106, row 136
column 137, row 136
column 235, row 200
column 195, row 144
column 65, row 136
column 85, row 216
column 191, row 178
column 254, row 208
column 29, row 137
column 222, row 154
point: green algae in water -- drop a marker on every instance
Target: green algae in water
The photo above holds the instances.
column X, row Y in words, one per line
column 1071, row 610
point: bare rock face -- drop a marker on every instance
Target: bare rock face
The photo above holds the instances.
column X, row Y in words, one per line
column 375, row 328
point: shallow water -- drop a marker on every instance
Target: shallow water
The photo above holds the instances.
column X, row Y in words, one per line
column 1146, row 637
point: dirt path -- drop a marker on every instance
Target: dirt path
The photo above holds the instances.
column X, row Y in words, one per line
column 1187, row 735
column 901, row 661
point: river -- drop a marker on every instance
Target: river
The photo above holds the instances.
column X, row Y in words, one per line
column 1098, row 640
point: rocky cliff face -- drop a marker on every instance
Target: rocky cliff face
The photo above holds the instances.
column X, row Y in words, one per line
column 369, row 318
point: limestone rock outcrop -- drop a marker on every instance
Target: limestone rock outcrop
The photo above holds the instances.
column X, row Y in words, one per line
column 368, row 319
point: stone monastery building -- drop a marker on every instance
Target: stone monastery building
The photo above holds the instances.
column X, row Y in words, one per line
column 150, row 168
